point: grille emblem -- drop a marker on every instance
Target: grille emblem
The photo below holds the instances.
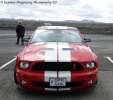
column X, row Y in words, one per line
column 74, row 66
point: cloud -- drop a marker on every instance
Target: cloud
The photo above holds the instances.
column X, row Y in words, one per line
column 88, row 11
column 61, row 10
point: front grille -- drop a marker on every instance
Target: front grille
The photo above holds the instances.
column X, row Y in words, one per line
column 46, row 84
column 57, row 66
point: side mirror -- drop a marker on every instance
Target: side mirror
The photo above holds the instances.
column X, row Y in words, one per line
column 26, row 39
column 87, row 39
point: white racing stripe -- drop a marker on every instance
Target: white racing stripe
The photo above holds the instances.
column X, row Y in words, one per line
column 51, row 89
column 63, row 89
column 62, row 27
column 7, row 63
column 53, row 27
column 51, row 55
column 49, row 74
column 64, row 55
column 57, row 27
column 65, row 74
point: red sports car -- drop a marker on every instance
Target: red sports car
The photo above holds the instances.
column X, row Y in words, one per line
column 56, row 58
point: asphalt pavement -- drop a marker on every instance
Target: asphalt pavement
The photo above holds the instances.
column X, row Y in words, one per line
column 101, row 45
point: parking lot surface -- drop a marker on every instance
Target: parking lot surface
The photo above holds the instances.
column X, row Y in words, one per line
column 101, row 45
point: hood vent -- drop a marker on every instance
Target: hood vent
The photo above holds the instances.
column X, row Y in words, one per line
column 53, row 49
column 46, row 49
column 68, row 48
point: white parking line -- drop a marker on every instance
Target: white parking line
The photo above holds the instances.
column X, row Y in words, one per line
column 12, row 34
column 7, row 63
column 7, row 34
column 109, row 58
column 2, row 34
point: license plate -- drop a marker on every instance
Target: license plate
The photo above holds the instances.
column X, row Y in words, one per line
column 57, row 82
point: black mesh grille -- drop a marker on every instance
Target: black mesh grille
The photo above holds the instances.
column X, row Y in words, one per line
column 46, row 84
column 57, row 66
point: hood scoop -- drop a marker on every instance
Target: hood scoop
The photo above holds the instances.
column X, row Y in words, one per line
column 46, row 49
column 68, row 48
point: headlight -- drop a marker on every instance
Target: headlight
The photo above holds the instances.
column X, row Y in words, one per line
column 24, row 65
column 90, row 65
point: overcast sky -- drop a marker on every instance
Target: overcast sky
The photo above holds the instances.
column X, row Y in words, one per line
column 58, row 10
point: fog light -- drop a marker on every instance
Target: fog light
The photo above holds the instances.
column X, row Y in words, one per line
column 24, row 82
column 90, row 82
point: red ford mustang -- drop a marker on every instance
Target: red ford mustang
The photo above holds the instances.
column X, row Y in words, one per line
column 56, row 58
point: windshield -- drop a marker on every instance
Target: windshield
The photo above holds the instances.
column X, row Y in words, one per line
column 56, row 35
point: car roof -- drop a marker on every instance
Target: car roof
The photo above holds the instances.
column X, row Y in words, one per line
column 57, row 27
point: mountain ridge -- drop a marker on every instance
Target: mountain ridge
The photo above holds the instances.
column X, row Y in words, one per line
column 72, row 21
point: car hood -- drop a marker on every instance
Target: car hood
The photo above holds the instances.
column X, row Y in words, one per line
column 57, row 52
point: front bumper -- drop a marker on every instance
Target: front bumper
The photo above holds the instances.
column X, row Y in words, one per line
column 87, row 89
column 43, row 77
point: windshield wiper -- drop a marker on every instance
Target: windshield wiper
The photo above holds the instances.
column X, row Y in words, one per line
column 70, row 33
